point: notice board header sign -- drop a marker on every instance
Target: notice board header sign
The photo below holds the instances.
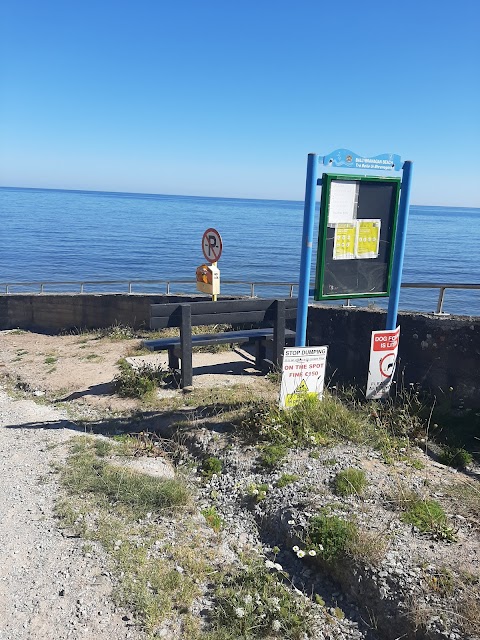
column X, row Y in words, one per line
column 358, row 216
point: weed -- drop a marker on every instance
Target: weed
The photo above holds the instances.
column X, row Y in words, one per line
column 103, row 447
column 210, row 467
column 137, row 382
column 213, row 518
column 252, row 603
column 368, row 547
column 330, row 462
column 91, row 356
column 116, row 332
column 466, row 497
column 310, row 422
column 286, row 479
column 140, row 493
column 272, row 455
column 350, row 482
column 442, row 582
column 330, row 536
column 455, row 457
column 426, row 515
column 50, row 359
column 257, row 491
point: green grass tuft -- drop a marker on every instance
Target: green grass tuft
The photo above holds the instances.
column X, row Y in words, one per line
column 350, row 482
column 455, row 457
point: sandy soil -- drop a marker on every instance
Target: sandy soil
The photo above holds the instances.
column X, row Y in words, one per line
column 79, row 369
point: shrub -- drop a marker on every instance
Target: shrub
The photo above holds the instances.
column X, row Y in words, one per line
column 286, row 479
column 253, row 603
column 137, row 382
column 211, row 466
column 331, row 536
column 454, row 457
column 350, row 482
column 213, row 518
column 272, row 455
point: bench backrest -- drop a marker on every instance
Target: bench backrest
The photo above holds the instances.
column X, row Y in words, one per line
column 251, row 310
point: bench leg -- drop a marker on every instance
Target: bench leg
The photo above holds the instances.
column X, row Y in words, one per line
column 186, row 345
column 278, row 333
column 260, row 353
column 173, row 362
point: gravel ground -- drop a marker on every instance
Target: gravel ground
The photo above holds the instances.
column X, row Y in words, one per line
column 49, row 588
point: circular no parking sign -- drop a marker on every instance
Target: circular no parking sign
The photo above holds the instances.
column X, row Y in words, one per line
column 212, row 245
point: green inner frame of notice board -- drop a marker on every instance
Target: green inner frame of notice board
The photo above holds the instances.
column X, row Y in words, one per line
column 358, row 277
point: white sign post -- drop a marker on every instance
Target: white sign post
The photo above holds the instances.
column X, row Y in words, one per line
column 303, row 374
column 383, row 358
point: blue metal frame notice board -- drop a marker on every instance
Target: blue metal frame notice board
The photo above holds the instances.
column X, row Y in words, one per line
column 362, row 230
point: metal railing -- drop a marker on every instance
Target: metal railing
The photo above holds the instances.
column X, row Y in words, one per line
column 78, row 286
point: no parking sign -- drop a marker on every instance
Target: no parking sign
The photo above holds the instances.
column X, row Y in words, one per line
column 383, row 358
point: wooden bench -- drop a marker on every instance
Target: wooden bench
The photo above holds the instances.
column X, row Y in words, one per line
column 250, row 311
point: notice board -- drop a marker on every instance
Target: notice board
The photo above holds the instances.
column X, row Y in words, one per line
column 356, row 237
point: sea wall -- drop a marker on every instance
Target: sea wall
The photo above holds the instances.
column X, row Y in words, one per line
column 440, row 353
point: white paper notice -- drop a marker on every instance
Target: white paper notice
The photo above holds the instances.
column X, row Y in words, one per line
column 343, row 201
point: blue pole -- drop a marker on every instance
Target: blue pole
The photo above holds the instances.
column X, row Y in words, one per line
column 307, row 246
column 400, row 239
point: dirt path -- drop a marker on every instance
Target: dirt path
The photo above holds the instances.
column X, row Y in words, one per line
column 49, row 587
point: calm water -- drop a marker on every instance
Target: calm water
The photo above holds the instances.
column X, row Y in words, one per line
column 81, row 235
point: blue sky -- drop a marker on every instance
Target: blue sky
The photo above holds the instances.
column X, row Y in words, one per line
column 221, row 98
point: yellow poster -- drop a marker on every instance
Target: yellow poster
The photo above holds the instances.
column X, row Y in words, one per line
column 344, row 241
column 368, row 238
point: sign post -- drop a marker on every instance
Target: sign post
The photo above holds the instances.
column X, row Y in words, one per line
column 208, row 276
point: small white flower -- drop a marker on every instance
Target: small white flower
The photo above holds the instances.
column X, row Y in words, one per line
column 239, row 612
column 291, row 522
column 300, row 554
column 312, row 552
column 276, row 626
column 269, row 564
column 278, row 566
column 320, row 547
column 248, row 599
column 296, row 549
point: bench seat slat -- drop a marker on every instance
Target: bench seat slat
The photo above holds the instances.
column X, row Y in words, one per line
column 224, row 337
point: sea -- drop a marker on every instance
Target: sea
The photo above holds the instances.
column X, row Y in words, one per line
column 63, row 236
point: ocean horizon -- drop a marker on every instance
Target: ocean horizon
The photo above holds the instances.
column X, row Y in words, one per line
column 65, row 235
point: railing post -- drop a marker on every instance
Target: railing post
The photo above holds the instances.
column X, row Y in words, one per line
column 168, row 288
column 291, row 290
column 7, row 289
column 252, row 289
column 81, row 287
column 41, row 287
column 441, row 296
column 129, row 287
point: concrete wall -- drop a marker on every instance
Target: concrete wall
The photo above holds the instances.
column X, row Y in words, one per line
column 52, row 313
column 437, row 352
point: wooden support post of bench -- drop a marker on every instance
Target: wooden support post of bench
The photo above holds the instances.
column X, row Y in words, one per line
column 186, row 345
column 278, row 332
